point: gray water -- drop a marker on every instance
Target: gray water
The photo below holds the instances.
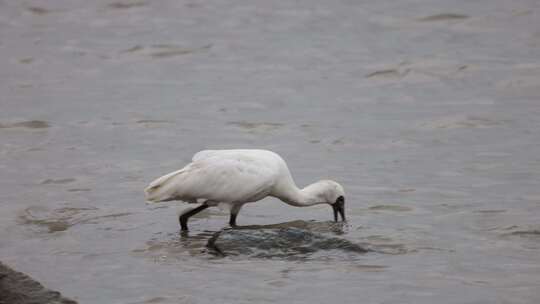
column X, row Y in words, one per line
column 426, row 111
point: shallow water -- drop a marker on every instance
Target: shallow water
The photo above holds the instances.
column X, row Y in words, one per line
column 283, row 241
column 426, row 111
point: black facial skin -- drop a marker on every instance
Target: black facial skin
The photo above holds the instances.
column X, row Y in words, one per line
column 339, row 207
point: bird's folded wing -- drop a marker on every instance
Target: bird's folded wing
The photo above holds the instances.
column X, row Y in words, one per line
column 224, row 180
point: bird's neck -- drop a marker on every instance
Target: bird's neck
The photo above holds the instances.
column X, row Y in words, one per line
column 307, row 196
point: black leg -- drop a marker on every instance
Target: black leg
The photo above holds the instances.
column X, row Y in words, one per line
column 185, row 217
column 232, row 219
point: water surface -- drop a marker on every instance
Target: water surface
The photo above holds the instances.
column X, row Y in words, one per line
column 426, row 111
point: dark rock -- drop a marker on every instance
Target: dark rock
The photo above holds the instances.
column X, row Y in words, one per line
column 18, row 288
column 287, row 241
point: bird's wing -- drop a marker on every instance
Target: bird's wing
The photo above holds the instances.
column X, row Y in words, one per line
column 220, row 179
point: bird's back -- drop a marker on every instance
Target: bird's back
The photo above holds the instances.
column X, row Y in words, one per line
column 221, row 176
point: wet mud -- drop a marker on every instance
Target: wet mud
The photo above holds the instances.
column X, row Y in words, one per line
column 126, row 5
column 62, row 219
column 158, row 51
column 443, row 17
column 31, row 124
column 38, row 10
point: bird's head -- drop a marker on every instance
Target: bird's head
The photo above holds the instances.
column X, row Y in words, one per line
column 332, row 193
column 336, row 199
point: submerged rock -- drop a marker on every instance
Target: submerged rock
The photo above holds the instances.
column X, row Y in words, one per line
column 18, row 288
column 278, row 242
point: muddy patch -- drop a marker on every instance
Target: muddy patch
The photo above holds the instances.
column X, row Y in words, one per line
column 525, row 233
column 370, row 268
column 126, row 5
column 57, row 220
column 407, row 190
column 50, row 181
column 26, row 60
column 133, row 49
column 256, row 126
column 52, row 221
column 462, row 121
column 490, row 211
column 443, row 17
column 31, row 124
column 36, row 10
column 396, row 208
column 526, row 237
column 388, row 74
column 79, row 190
column 152, row 300
column 165, row 50
column 152, row 121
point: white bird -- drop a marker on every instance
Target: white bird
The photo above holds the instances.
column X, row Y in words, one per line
column 237, row 177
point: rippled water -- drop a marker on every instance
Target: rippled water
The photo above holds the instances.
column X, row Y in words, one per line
column 426, row 111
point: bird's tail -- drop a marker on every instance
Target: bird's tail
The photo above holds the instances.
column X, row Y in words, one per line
column 158, row 190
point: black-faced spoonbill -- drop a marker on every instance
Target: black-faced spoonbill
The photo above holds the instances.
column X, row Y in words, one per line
column 237, row 177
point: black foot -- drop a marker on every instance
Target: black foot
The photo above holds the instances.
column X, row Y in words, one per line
column 183, row 223
column 232, row 220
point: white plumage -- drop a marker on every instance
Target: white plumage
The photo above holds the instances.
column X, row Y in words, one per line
column 237, row 177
